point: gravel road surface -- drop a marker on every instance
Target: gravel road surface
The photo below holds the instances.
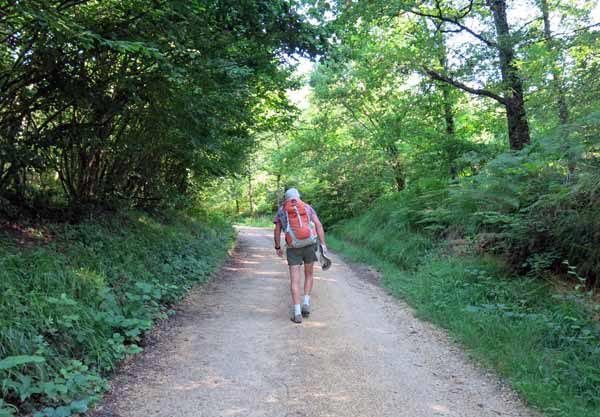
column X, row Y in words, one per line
column 231, row 350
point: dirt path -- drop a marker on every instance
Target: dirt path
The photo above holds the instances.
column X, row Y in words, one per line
column 232, row 351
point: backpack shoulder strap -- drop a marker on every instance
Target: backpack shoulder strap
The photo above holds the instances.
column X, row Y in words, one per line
column 284, row 218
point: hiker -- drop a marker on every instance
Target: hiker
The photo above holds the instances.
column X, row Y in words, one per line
column 303, row 232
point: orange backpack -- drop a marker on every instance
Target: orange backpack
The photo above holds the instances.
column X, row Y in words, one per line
column 300, row 230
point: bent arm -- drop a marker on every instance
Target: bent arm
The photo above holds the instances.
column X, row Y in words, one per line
column 319, row 227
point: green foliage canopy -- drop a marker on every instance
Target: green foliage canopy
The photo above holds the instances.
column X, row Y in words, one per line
column 132, row 101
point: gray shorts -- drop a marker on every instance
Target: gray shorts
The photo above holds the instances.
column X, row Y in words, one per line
column 299, row 256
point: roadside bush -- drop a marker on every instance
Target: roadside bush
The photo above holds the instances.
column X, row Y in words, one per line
column 72, row 308
column 544, row 342
column 537, row 208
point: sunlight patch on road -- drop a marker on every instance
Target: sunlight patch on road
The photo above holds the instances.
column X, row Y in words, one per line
column 255, row 250
column 318, row 278
column 232, row 269
column 440, row 408
column 271, row 273
column 263, row 310
column 332, row 396
column 316, row 324
column 262, row 250
column 237, row 411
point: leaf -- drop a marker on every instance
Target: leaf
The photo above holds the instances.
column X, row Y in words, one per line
column 80, row 406
column 14, row 361
column 6, row 410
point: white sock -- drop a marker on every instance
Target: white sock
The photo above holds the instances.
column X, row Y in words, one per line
column 307, row 300
column 297, row 309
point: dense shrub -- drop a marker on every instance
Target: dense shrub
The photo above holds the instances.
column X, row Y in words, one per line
column 75, row 306
column 537, row 207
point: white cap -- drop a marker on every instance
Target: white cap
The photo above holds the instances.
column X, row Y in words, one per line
column 292, row 193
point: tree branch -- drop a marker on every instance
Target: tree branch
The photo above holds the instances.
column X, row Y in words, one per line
column 466, row 10
column 455, row 21
column 524, row 25
column 476, row 91
column 355, row 116
column 562, row 35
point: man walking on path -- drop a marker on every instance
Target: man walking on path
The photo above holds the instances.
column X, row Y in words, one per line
column 302, row 226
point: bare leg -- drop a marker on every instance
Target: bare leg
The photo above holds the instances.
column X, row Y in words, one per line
column 295, row 283
column 308, row 277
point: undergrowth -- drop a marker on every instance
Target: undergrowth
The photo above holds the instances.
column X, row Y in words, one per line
column 543, row 341
column 74, row 307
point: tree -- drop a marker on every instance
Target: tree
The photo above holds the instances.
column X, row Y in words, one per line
column 513, row 98
column 129, row 101
column 557, row 79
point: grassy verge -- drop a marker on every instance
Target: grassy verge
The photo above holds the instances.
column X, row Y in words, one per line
column 543, row 342
column 76, row 305
column 262, row 220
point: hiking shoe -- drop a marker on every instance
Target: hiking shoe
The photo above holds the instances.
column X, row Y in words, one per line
column 305, row 310
column 297, row 318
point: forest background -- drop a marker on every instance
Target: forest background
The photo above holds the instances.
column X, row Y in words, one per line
column 453, row 143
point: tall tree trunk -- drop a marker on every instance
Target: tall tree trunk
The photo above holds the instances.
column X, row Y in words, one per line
column 518, row 127
column 399, row 178
column 450, row 130
column 396, row 165
column 277, row 192
column 563, row 109
column 250, row 196
column 448, row 110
